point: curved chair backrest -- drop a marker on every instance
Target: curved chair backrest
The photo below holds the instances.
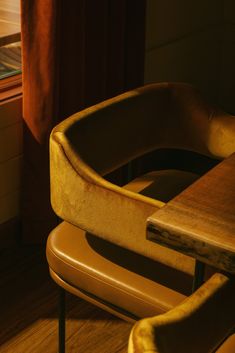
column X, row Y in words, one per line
column 154, row 116
column 102, row 138
column 198, row 325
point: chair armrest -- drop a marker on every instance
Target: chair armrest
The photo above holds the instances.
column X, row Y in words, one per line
column 199, row 324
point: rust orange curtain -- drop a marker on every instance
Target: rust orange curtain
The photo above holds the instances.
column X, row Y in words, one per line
column 75, row 53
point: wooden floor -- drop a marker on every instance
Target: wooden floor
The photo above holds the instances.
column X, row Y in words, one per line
column 28, row 311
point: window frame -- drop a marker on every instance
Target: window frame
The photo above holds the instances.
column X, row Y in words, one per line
column 10, row 87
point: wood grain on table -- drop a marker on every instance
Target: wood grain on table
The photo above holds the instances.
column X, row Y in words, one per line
column 200, row 221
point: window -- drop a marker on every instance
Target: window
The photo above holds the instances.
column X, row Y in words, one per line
column 10, row 60
column 10, row 48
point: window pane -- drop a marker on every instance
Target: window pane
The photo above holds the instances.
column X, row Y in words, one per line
column 10, row 46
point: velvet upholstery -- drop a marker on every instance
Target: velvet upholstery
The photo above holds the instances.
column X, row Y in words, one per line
column 198, row 325
column 104, row 137
column 130, row 285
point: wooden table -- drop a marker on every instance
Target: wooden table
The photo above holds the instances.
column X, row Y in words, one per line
column 201, row 220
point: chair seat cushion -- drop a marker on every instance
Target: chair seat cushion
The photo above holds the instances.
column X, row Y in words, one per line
column 112, row 274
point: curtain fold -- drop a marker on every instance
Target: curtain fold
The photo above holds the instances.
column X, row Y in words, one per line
column 75, row 54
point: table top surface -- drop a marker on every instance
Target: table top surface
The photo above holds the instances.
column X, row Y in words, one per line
column 200, row 221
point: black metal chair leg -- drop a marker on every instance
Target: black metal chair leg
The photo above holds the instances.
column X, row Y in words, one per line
column 198, row 275
column 61, row 330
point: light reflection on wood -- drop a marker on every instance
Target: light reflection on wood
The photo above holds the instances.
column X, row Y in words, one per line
column 9, row 21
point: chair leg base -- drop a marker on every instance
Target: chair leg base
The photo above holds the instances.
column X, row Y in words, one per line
column 198, row 275
column 61, row 328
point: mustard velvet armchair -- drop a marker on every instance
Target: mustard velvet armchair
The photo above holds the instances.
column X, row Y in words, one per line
column 100, row 252
column 203, row 323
